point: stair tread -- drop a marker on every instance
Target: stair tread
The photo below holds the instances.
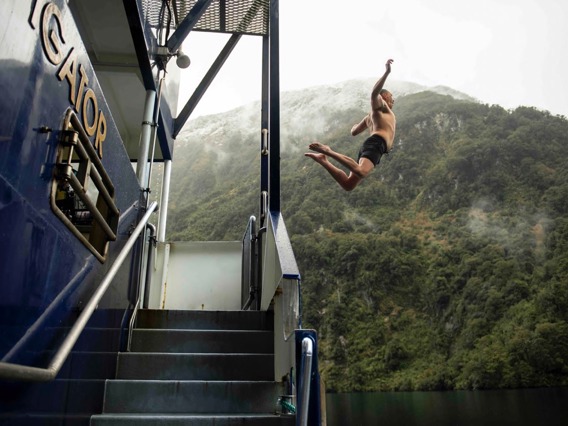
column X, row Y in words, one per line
column 192, row 416
column 190, row 381
column 195, row 366
column 197, row 420
column 200, row 396
column 200, row 330
column 194, row 320
column 194, row 354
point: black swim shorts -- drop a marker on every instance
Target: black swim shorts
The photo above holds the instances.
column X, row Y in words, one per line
column 373, row 148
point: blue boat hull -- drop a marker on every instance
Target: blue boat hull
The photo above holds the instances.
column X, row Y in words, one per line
column 47, row 274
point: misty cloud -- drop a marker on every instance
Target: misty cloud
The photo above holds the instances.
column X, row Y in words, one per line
column 521, row 231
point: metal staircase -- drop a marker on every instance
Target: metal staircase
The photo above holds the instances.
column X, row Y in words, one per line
column 196, row 368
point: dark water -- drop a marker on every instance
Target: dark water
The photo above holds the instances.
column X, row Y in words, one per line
column 523, row 407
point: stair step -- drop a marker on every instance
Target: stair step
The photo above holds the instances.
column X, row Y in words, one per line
column 52, row 397
column 205, row 320
column 107, row 339
column 192, row 420
column 90, row 365
column 196, row 397
column 165, row 366
column 202, row 341
column 44, row 419
column 104, row 339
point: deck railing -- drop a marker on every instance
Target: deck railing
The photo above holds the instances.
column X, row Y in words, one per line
column 249, row 276
column 305, row 373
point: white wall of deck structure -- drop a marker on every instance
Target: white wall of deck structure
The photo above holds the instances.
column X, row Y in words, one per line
column 200, row 275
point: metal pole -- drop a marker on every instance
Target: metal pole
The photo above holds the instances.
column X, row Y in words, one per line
column 307, row 354
column 145, row 136
column 264, row 136
column 164, row 201
column 188, row 108
column 274, row 114
column 154, row 135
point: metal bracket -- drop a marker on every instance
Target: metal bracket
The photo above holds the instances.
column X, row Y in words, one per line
column 69, row 137
column 264, row 149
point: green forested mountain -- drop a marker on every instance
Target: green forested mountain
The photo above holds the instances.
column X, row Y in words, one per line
column 446, row 268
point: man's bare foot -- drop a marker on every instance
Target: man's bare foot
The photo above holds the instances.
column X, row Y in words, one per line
column 318, row 158
column 319, row 147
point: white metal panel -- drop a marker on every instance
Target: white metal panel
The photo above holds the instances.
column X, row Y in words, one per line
column 199, row 275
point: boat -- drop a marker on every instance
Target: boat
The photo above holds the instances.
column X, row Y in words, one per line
column 103, row 321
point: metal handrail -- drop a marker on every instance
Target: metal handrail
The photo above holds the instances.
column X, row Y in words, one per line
column 141, row 298
column 248, row 268
column 12, row 371
column 251, row 276
column 43, row 318
column 149, row 264
column 307, row 354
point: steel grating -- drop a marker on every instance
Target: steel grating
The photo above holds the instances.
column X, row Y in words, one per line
column 223, row 16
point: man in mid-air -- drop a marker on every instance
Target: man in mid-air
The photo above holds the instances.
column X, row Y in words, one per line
column 381, row 123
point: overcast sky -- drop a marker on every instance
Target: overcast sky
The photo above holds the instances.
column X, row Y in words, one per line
column 506, row 52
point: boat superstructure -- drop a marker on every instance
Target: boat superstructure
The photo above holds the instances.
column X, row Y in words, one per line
column 102, row 320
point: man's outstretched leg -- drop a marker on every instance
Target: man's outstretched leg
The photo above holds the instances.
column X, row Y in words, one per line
column 361, row 168
column 347, row 182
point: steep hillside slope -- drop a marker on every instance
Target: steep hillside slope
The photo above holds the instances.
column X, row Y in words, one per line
column 447, row 268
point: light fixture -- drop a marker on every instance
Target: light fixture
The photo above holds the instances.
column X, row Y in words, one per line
column 182, row 60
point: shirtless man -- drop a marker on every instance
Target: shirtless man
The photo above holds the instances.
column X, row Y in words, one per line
column 381, row 123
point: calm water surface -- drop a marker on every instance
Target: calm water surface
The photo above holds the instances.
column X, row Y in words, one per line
column 523, row 407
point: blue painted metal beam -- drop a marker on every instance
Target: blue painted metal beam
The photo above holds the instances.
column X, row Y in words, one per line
column 143, row 39
column 264, row 108
column 185, row 27
column 204, row 84
column 274, row 114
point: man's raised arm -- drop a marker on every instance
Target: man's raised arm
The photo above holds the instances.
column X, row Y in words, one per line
column 376, row 102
